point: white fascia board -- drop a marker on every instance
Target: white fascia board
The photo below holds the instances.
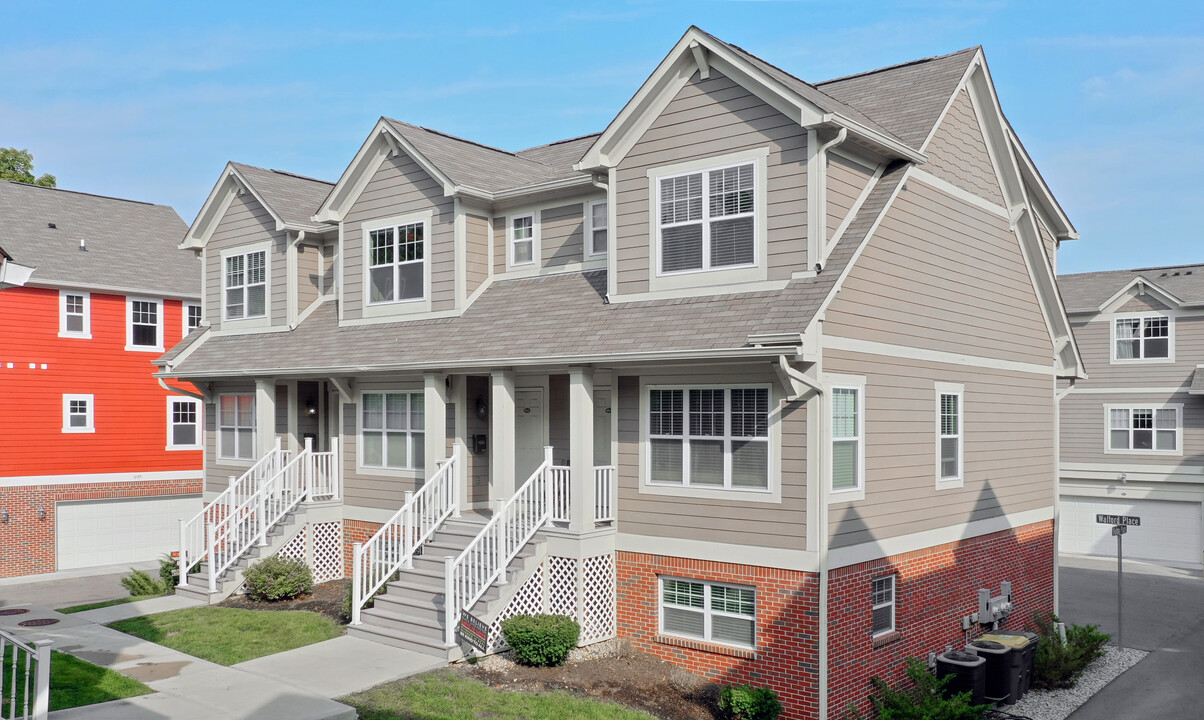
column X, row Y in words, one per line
column 887, row 143
column 1046, row 201
column 212, row 211
column 1141, row 283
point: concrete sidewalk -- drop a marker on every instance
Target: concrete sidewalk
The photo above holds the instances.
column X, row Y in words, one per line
column 69, row 587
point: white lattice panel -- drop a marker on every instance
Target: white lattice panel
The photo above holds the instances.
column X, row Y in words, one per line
column 562, row 586
column 527, row 601
column 328, row 551
column 598, row 598
column 295, row 548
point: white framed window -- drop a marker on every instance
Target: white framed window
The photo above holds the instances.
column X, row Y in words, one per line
column 847, row 466
column 246, row 285
column 708, row 611
column 144, row 324
column 522, row 239
column 192, row 317
column 596, row 236
column 1145, row 429
column 709, row 437
column 392, row 430
column 1138, row 338
column 236, row 427
column 183, row 423
column 883, row 602
column 78, row 414
column 75, row 314
column 397, row 260
column 950, row 432
column 706, row 220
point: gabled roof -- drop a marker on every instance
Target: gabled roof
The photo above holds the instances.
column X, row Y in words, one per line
column 290, row 199
column 128, row 245
column 1090, row 292
column 562, row 153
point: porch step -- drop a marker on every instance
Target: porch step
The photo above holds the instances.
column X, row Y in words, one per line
column 404, row 640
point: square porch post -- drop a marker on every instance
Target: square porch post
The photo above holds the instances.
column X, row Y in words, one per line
column 435, row 411
column 501, row 435
column 581, row 449
column 265, row 416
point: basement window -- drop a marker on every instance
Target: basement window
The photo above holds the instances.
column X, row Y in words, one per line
column 711, row 612
column 883, row 600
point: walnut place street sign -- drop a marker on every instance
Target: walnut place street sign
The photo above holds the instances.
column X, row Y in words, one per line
column 1130, row 520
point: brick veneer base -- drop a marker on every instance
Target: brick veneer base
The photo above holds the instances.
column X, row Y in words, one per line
column 27, row 542
column 355, row 531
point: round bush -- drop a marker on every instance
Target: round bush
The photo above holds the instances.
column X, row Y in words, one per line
column 278, row 578
column 541, row 640
column 745, row 702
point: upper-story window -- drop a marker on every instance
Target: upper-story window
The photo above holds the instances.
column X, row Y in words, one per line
column 848, row 446
column 706, row 219
column 709, row 437
column 1142, row 338
column 78, row 414
column 596, row 238
column 75, row 314
column 522, row 239
column 144, row 324
column 246, row 285
column 1145, row 429
column 397, row 263
column 192, row 317
column 950, row 434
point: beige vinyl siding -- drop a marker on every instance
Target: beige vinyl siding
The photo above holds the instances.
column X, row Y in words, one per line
column 476, row 251
column 761, row 524
column 941, row 273
column 1008, row 447
column 562, row 232
column 309, row 275
column 558, row 417
column 1049, row 243
column 1084, row 429
column 846, row 180
column 370, row 491
column 400, row 187
column 246, row 222
column 1095, row 344
column 706, row 118
column 500, row 245
column 1142, row 303
column 958, row 153
column 217, row 471
column 329, row 252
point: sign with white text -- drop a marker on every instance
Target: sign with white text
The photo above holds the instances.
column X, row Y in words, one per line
column 1130, row 520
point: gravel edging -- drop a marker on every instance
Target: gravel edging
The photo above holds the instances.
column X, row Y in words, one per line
column 1058, row 704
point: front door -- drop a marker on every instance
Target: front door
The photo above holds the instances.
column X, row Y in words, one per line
column 528, row 433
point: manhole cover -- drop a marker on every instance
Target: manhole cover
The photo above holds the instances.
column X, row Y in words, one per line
column 39, row 622
column 14, row 611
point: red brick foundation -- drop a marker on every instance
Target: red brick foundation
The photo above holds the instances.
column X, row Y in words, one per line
column 355, row 531
column 27, row 542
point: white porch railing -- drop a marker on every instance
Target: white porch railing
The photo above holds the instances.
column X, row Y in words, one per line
column 484, row 561
column 194, row 547
column 561, row 493
column 324, row 475
column 393, row 546
column 604, row 486
column 24, row 678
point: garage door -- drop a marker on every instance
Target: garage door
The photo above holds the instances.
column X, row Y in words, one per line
column 107, row 532
column 1169, row 532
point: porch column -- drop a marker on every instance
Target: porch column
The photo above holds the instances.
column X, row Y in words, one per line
column 435, row 409
column 501, row 435
column 581, row 449
column 265, row 416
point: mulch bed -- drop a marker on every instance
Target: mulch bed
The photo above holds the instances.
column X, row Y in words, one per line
column 326, row 599
column 631, row 678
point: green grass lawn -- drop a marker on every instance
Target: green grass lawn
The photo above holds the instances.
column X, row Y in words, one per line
column 442, row 695
column 231, row 635
column 74, row 682
column 105, row 603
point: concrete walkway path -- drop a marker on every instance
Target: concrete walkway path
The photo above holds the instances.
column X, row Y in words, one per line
column 113, row 613
column 69, row 587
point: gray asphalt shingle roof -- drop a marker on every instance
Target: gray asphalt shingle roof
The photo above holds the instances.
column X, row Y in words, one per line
column 129, row 244
column 294, row 198
column 1085, row 292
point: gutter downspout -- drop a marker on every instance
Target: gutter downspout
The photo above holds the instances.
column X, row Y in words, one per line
column 179, row 391
column 817, row 198
column 1057, row 496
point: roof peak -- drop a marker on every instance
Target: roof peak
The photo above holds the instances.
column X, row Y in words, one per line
column 282, row 172
column 897, row 66
column 86, row 194
column 451, row 137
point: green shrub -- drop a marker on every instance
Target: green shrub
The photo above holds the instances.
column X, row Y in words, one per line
column 1059, row 664
column 925, row 699
column 278, row 578
column 541, row 640
column 139, row 582
column 745, row 702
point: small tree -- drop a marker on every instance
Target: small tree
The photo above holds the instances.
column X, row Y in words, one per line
column 17, row 166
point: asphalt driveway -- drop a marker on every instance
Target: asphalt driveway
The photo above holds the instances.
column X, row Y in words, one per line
column 71, row 587
column 1164, row 614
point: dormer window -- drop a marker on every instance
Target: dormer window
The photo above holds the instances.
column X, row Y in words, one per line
column 595, row 244
column 397, row 263
column 246, row 285
column 522, row 239
column 706, row 219
column 1145, row 337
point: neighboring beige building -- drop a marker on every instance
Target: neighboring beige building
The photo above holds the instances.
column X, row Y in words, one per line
column 1133, row 432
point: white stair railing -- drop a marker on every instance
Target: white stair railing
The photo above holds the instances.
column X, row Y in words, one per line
column 561, row 487
column 325, row 484
column 193, row 544
column 24, row 679
column 484, row 561
column 560, row 484
column 393, row 546
column 604, row 483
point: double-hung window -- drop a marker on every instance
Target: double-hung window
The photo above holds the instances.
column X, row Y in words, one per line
column 711, row 612
column 950, row 433
column 246, row 284
column 78, row 414
column 183, row 423
column 1142, row 338
column 883, row 602
column 706, row 220
column 522, row 239
column 145, row 324
column 596, row 241
column 392, row 426
column 1145, row 429
column 397, row 263
column 236, row 427
column 192, row 317
column 848, row 448
column 709, row 437
column 75, row 314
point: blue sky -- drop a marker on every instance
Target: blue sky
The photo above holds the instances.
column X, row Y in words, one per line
column 149, row 100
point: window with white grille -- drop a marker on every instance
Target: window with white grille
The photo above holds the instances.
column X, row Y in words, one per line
column 522, row 239
column 1142, row 338
column 75, row 314
column 392, row 431
column 706, row 219
column 236, row 427
column 192, row 317
column 246, row 285
column 144, row 324
column 713, row 612
column 397, row 263
column 709, row 437
column 78, row 414
column 1145, row 429
column 883, row 602
column 183, row 423
column 596, row 241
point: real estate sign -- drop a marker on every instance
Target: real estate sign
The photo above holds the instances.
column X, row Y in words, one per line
column 473, row 630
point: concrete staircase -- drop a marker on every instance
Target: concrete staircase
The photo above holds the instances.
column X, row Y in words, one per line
column 281, row 533
column 410, row 614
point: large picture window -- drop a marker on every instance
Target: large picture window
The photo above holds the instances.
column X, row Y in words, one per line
column 709, row 437
column 712, row 612
column 246, row 285
column 397, row 263
column 706, row 219
column 236, row 427
column 392, row 428
column 1144, row 429
column 1142, row 338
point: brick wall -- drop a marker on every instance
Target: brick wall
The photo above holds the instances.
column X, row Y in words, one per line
column 27, row 543
column 355, row 531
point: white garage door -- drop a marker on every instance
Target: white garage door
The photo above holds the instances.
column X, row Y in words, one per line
column 1169, row 532
column 107, row 532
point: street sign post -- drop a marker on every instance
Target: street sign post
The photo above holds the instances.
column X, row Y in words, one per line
column 1120, row 525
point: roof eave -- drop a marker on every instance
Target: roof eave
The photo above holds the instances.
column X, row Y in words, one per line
column 892, row 146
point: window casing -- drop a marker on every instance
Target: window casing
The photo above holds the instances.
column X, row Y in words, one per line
column 706, row 219
column 246, row 285
column 597, row 239
column 522, row 239
column 144, row 324
column 710, row 437
column 711, row 612
column 950, row 434
column 883, row 603
column 397, row 258
column 1137, row 429
column 1145, row 337
column 183, row 423
column 848, row 440
column 78, row 414
column 392, row 431
column 192, row 317
column 75, row 314
column 236, row 427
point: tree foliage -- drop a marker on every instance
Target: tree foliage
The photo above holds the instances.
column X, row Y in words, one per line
column 17, row 166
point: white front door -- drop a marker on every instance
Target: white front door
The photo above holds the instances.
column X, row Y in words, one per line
column 528, row 433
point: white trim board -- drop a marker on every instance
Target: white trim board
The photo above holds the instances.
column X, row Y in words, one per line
column 871, row 347
column 783, row 558
column 99, row 478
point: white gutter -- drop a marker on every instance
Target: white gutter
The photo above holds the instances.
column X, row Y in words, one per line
column 894, row 145
column 469, row 191
column 13, row 274
column 179, row 391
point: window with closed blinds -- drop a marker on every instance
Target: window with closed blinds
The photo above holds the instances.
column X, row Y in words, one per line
column 709, row 437
column 847, row 425
column 713, row 612
column 706, row 219
column 246, row 285
column 950, row 422
column 883, row 605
